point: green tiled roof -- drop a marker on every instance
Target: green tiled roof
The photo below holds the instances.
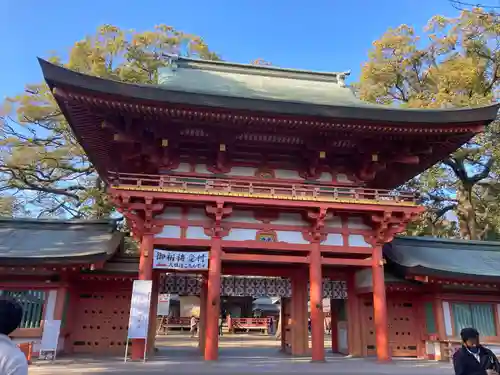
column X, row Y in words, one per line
column 427, row 255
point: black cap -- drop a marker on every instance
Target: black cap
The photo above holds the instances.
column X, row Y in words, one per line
column 469, row 333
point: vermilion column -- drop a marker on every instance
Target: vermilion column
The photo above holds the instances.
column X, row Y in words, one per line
column 316, row 298
column 213, row 301
column 353, row 318
column 380, row 307
column 153, row 312
column 300, row 336
column 145, row 273
column 203, row 314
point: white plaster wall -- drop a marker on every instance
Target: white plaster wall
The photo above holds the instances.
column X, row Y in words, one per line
column 325, row 177
column 241, row 216
column 201, row 168
column 170, row 231
column 196, row 233
column 341, row 177
column 287, row 174
column 171, row 213
column 447, row 319
column 333, row 239
column 240, row 234
column 197, row 214
column 291, row 237
column 182, row 168
column 50, row 307
column 289, row 218
column 242, row 171
column 356, row 222
column 332, row 221
column 357, row 240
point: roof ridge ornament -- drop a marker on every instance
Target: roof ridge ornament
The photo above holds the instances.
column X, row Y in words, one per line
column 341, row 77
column 168, row 70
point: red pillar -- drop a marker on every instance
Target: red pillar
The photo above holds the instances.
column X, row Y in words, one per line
column 153, row 311
column 203, row 314
column 145, row 273
column 300, row 336
column 316, row 298
column 213, row 302
column 354, row 334
column 380, row 307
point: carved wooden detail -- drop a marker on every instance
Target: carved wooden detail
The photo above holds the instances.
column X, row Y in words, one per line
column 217, row 212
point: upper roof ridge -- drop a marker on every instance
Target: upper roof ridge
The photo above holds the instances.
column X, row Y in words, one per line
column 252, row 69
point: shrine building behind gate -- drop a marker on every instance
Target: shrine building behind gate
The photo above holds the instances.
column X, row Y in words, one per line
column 275, row 172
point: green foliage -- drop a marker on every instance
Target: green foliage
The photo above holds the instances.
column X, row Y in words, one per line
column 456, row 65
column 41, row 163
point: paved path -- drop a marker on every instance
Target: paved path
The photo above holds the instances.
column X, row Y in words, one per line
column 238, row 355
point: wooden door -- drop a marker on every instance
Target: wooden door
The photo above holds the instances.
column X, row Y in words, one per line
column 403, row 332
column 101, row 322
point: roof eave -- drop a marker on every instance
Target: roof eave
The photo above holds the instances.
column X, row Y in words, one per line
column 458, row 276
column 59, row 76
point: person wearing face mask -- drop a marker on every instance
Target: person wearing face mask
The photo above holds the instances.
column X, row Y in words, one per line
column 12, row 360
column 473, row 358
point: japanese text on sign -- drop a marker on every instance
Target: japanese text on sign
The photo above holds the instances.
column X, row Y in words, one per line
column 179, row 260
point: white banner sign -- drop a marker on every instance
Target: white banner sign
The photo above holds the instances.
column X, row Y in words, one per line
column 139, row 309
column 163, row 305
column 50, row 337
column 180, row 260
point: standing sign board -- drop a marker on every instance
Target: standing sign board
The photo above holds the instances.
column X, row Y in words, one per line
column 50, row 339
column 180, row 260
column 139, row 312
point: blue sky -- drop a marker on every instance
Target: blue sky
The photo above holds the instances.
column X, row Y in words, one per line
column 326, row 35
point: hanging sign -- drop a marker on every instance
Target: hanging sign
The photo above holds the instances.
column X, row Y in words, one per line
column 139, row 309
column 180, row 260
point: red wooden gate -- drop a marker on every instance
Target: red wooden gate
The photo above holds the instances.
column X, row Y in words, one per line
column 101, row 322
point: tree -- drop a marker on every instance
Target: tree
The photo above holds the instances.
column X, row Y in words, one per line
column 42, row 166
column 457, row 66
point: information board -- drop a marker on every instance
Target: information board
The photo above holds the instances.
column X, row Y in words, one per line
column 139, row 309
column 50, row 339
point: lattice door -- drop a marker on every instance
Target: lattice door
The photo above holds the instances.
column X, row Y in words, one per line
column 101, row 323
column 403, row 338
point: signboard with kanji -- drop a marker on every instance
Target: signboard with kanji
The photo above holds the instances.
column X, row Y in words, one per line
column 180, row 260
column 139, row 309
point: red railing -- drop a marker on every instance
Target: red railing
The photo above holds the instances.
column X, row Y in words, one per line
column 260, row 189
column 249, row 323
column 179, row 322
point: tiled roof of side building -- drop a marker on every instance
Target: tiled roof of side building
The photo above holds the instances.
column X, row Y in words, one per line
column 40, row 241
column 445, row 257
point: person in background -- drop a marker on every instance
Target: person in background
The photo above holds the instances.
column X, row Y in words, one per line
column 12, row 359
column 222, row 319
column 193, row 325
column 473, row 358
